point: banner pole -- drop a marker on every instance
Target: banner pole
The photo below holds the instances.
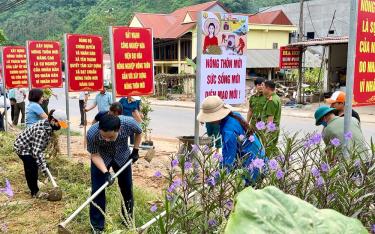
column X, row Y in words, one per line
column 5, row 91
column 350, row 71
column 67, row 93
column 28, row 65
column 113, row 80
column 198, row 78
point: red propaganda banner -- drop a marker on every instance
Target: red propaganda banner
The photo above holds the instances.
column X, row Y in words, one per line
column 132, row 55
column 289, row 57
column 14, row 66
column 364, row 68
column 84, row 61
column 44, row 60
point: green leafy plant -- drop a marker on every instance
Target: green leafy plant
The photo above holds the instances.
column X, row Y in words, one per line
column 145, row 110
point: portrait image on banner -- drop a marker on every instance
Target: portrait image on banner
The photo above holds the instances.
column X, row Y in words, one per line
column 223, row 56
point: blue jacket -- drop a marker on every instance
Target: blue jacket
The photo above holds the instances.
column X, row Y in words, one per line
column 230, row 130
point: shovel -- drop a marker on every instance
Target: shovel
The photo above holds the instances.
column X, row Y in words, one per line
column 54, row 194
column 61, row 228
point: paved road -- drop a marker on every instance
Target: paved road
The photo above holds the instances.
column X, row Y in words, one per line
column 175, row 121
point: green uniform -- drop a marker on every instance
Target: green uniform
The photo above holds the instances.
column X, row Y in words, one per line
column 256, row 104
column 273, row 108
column 335, row 129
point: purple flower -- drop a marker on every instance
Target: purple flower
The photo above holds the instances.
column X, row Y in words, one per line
column 308, row 144
column 176, row 183
column 206, row 149
column 279, row 174
column 194, row 148
column 229, row 204
column 324, row 167
column 357, row 163
column 241, row 137
column 258, row 163
column 271, row 127
column 212, row 223
column 174, row 162
column 348, row 136
column 211, row 181
column 215, row 174
column 169, row 197
column 158, row 174
column 319, row 181
column 153, row 208
column 315, row 171
column 251, row 138
column 188, row 165
column 316, row 139
column 373, row 228
column 4, row 227
column 273, row 165
column 330, row 197
column 218, row 157
column 8, row 189
column 260, row 125
column 335, row 142
column 280, row 158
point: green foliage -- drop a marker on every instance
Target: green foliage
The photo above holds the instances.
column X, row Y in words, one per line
column 272, row 211
column 145, row 111
column 41, row 20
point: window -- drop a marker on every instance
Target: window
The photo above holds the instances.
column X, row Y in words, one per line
column 310, row 35
column 275, row 46
column 330, row 32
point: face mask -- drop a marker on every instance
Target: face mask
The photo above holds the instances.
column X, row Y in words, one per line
column 324, row 123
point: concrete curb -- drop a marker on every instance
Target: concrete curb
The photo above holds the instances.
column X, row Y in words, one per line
column 365, row 118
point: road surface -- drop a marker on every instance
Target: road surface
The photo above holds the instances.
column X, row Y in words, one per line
column 175, row 121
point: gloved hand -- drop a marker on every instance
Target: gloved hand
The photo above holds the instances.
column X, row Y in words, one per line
column 109, row 178
column 134, row 155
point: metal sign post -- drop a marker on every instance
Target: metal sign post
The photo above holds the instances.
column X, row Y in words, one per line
column 113, row 80
column 67, row 92
column 5, row 99
column 198, row 78
column 350, row 69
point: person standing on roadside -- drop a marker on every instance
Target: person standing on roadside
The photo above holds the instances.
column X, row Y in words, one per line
column 31, row 144
column 337, row 101
column 34, row 110
column 103, row 101
column 131, row 107
column 107, row 142
column 12, row 99
column 47, row 93
column 256, row 103
column 272, row 113
column 83, row 97
column 19, row 107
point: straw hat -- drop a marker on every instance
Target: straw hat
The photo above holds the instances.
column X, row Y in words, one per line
column 214, row 21
column 213, row 109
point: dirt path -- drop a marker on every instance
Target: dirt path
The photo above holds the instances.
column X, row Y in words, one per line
column 143, row 171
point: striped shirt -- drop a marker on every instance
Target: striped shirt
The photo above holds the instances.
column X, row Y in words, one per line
column 113, row 151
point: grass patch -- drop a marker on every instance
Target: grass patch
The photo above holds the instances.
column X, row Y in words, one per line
column 37, row 216
column 64, row 132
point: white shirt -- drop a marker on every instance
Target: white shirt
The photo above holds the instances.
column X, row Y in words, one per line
column 82, row 95
column 2, row 102
column 20, row 95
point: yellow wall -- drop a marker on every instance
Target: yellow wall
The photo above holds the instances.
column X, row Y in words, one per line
column 263, row 36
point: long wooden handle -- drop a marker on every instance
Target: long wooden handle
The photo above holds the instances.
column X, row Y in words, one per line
column 84, row 130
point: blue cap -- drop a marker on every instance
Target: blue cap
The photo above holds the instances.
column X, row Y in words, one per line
column 321, row 112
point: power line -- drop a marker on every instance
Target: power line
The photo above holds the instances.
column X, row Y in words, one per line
column 312, row 23
column 10, row 5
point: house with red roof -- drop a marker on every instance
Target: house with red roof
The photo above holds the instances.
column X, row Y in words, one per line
column 175, row 37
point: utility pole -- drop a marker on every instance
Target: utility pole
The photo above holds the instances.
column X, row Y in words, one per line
column 300, row 38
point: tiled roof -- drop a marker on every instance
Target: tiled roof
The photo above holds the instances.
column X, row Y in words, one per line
column 272, row 17
column 322, row 41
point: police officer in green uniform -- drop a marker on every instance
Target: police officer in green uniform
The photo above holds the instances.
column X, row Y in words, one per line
column 256, row 103
column 272, row 114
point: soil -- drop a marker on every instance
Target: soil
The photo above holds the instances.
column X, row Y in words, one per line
column 143, row 171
